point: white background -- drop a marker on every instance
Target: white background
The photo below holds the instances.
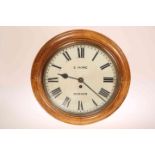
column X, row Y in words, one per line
column 18, row 106
column 69, row 12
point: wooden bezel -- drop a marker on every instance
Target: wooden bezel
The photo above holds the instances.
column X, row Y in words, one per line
column 73, row 37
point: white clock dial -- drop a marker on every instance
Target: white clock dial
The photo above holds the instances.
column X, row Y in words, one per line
column 80, row 79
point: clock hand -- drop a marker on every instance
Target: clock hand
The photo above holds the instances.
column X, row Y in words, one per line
column 93, row 91
column 81, row 80
column 65, row 76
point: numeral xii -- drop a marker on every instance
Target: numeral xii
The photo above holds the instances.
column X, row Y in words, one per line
column 81, row 52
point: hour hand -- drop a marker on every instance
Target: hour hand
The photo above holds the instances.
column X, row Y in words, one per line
column 65, row 76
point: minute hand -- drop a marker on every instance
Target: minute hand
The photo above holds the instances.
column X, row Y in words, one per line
column 93, row 91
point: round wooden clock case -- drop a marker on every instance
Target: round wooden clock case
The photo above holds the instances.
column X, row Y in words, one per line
column 80, row 77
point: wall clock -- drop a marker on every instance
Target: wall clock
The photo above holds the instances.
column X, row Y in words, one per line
column 80, row 77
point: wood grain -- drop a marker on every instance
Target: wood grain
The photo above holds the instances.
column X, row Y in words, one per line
column 74, row 37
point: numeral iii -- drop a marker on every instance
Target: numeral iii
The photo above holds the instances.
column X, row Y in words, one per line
column 108, row 79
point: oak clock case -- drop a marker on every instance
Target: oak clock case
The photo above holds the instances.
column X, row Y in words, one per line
column 80, row 77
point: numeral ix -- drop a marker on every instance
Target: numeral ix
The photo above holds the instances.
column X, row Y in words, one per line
column 55, row 79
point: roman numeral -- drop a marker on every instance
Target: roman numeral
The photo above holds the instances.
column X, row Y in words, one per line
column 80, row 52
column 104, row 92
column 105, row 66
column 66, row 55
column 95, row 56
column 80, row 105
column 56, row 92
column 55, row 79
column 66, row 102
column 94, row 102
column 56, row 66
column 108, row 79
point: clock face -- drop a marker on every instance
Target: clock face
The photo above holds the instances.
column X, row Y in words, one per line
column 80, row 79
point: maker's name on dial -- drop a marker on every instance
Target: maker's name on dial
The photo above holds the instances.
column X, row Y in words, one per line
column 79, row 93
column 80, row 67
